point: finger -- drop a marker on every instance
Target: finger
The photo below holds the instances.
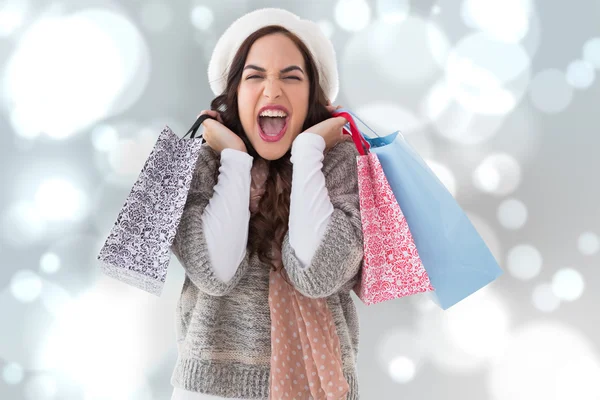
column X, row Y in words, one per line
column 212, row 113
column 341, row 121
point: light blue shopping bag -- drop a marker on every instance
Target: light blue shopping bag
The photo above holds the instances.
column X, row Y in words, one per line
column 453, row 253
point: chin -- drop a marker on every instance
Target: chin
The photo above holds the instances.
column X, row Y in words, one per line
column 271, row 152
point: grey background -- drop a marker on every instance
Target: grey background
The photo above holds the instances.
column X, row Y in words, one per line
column 68, row 332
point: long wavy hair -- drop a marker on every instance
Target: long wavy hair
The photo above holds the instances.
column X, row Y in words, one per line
column 270, row 221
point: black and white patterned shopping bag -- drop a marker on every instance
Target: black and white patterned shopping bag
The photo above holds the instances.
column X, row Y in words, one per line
column 137, row 250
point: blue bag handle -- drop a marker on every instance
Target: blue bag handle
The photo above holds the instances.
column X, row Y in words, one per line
column 373, row 142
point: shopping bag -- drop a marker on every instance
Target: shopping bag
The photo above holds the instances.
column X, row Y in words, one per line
column 137, row 250
column 457, row 260
column 391, row 267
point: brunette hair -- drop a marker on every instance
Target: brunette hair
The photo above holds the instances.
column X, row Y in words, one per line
column 270, row 222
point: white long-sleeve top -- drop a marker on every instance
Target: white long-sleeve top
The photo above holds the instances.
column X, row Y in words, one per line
column 227, row 215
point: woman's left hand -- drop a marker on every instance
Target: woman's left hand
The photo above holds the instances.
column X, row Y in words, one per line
column 331, row 129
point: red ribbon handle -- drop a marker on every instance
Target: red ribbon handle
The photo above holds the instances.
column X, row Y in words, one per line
column 360, row 142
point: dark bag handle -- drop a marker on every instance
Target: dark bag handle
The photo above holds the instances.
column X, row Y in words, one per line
column 194, row 129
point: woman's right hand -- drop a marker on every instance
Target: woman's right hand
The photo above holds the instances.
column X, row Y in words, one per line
column 218, row 136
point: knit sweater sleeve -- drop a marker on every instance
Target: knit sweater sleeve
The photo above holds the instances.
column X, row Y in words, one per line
column 338, row 257
column 190, row 244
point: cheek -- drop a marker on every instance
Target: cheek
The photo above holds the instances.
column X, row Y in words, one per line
column 301, row 107
column 246, row 106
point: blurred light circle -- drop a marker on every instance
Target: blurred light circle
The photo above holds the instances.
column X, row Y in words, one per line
column 591, row 51
column 512, row 214
column 402, row 369
column 12, row 373
column 26, row 286
column 479, row 324
column 41, row 387
column 393, row 11
column 120, row 161
column 202, row 17
column 512, row 22
column 421, row 143
column 487, row 76
column 58, row 199
column 392, row 42
column 79, row 267
column 207, row 41
column 54, row 297
column 352, row 15
column 104, row 137
column 385, row 118
column 12, row 14
column 499, row 174
column 156, row 16
column 550, row 91
column 461, row 339
column 134, row 55
column 383, row 88
column 444, row 174
column 544, row 299
column 400, row 343
column 326, row 27
column 423, row 302
column 524, row 262
column 538, row 363
column 578, row 379
column 27, row 324
column 588, row 243
column 23, row 224
column 580, row 74
column 85, row 54
column 49, row 263
column 452, row 121
column 127, row 158
column 504, row 20
column 568, row 284
column 441, row 350
column 94, row 316
column 73, row 71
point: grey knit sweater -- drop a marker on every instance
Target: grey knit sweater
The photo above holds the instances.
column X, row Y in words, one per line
column 224, row 329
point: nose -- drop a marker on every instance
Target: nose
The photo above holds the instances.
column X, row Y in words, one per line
column 272, row 89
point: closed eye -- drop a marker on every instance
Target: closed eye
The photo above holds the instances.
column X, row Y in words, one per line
column 288, row 77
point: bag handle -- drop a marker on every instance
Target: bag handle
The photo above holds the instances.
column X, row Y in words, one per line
column 194, row 129
column 361, row 121
column 360, row 142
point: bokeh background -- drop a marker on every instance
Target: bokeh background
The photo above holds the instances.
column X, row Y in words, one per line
column 500, row 97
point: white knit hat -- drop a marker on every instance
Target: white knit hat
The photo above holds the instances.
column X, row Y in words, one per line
column 310, row 33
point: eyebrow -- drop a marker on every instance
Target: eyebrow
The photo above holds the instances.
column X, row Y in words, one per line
column 283, row 71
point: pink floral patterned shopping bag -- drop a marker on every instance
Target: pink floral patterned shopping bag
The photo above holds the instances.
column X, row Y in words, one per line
column 392, row 267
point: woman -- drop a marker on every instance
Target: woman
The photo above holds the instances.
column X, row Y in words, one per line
column 270, row 237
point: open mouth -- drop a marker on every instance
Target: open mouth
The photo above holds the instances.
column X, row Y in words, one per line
column 272, row 125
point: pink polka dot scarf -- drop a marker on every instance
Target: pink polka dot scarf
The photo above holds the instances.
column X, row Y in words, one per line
column 306, row 360
column 305, row 348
